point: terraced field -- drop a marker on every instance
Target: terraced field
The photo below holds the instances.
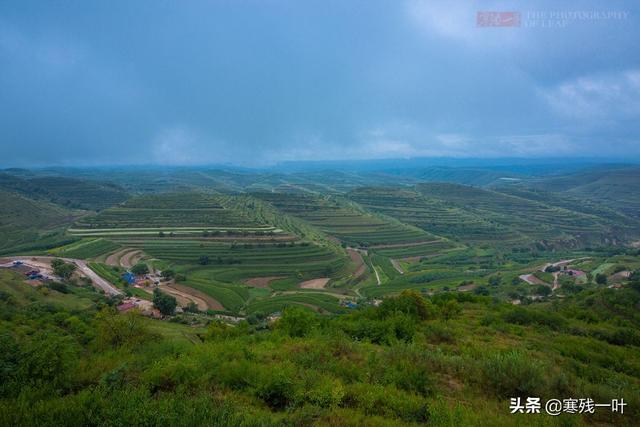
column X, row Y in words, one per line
column 537, row 220
column 434, row 216
column 615, row 188
column 315, row 301
column 182, row 212
column 356, row 227
column 479, row 216
column 85, row 249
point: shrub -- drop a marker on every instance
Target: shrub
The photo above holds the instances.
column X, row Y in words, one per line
column 275, row 386
column 438, row 333
column 296, row 322
column 409, row 302
column 140, row 269
column 528, row 316
column 513, row 374
column 164, row 302
column 115, row 330
column 60, row 287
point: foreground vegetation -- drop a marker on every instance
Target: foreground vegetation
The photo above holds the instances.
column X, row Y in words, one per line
column 453, row 359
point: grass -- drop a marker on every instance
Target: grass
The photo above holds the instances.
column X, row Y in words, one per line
column 21, row 293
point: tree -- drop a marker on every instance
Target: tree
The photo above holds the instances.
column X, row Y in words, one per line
column 164, row 302
column 601, row 279
column 192, row 307
column 481, row 290
column 495, row 280
column 168, row 274
column 543, row 290
column 115, row 330
column 203, row 260
column 450, row 309
column 296, row 322
column 140, row 268
column 63, row 269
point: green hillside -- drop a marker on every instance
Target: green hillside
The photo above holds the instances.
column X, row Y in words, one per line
column 435, row 216
column 352, row 225
column 65, row 191
column 451, row 359
column 27, row 224
column 615, row 188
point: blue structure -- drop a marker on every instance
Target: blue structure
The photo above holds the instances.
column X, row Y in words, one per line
column 129, row 277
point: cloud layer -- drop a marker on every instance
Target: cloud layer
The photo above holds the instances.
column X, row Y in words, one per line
column 254, row 82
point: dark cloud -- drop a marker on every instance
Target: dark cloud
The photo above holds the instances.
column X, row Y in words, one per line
column 257, row 82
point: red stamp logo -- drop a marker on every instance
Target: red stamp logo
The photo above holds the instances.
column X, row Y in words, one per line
column 498, row 19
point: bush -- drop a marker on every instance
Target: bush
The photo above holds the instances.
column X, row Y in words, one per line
column 48, row 358
column 296, row 322
column 115, row 330
column 409, row 302
column 60, row 287
column 514, row 374
column 140, row 269
column 528, row 316
column 275, row 386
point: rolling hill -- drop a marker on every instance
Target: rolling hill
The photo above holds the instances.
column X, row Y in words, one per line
column 69, row 192
column 28, row 223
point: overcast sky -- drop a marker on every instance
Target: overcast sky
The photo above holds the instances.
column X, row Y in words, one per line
column 256, row 82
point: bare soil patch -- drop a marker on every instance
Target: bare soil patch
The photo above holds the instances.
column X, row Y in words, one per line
column 131, row 258
column 532, row 280
column 213, row 303
column 114, row 258
column 185, row 295
column 620, row 276
column 262, row 282
column 315, row 283
column 356, row 257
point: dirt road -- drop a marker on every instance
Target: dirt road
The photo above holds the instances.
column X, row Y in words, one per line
column 396, row 265
column 44, row 263
column 377, row 275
